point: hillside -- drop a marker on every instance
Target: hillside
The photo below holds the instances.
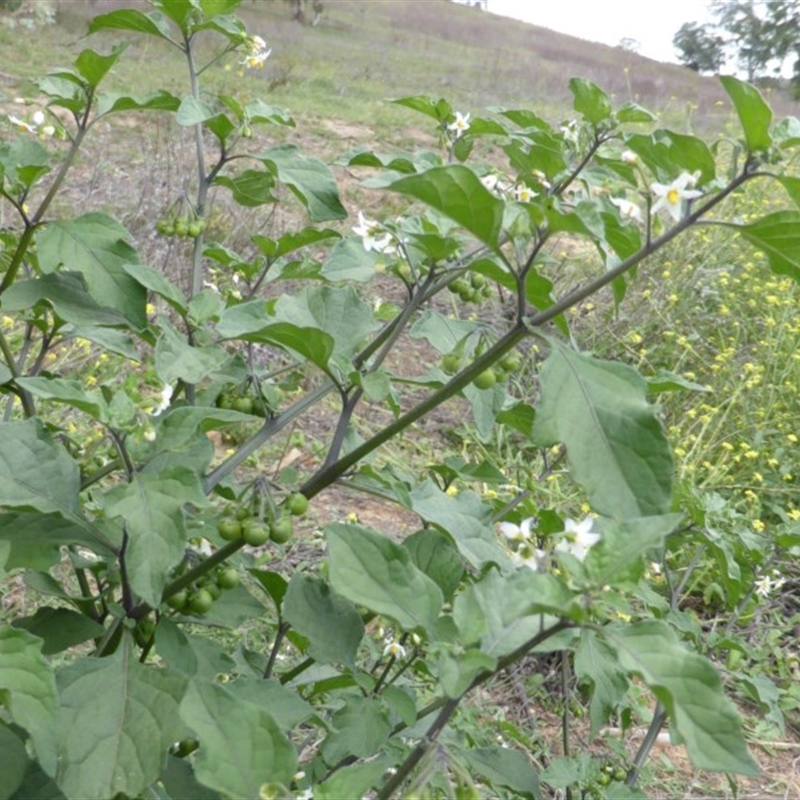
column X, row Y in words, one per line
column 363, row 53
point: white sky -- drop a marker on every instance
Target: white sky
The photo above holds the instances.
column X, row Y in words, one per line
column 652, row 23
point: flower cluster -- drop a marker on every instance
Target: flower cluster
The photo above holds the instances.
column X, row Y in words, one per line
column 577, row 539
column 36, row 125
column 525, row 552
column 257, row 53
column 374, row 236
column 765, row 586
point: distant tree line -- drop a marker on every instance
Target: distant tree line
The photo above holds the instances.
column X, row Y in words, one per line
column 761, row 36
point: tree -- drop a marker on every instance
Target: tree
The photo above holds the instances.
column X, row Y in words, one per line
column 762, row 35
column 699, row 48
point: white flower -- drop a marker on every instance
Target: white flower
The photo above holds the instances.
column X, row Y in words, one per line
column 578, row 538
column 629, row 157
column 524, row 194
column 38, row 118
column 21, row 124
column 394, row 649
column 460, row 125
column 571, row 132
column 517, row 533
column 672, row 195
column 490, row 181
column 373, row 236
column 257, row 53
column 166, row 396
column 627, row 209
column 763, row 586
column 531, row 557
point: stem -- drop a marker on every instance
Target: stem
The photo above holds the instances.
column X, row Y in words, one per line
column 328, row 474
column 659, row 716
column 276, row 646
column 419, row 751
column 189, row 577
column 575, row 297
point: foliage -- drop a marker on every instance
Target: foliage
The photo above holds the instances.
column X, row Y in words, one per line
column 144, row 546
column 699, row 48
column 760, row 35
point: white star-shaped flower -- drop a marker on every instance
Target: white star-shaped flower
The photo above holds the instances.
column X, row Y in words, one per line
column 672, row 196
column 460, row 124
column 578, row 538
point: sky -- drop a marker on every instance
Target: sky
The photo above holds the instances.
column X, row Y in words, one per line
column 652, row 23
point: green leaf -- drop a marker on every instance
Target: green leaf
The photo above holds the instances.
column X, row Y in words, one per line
column 193, row 112
column 94, row 66
column 616, row 448
column 59, row 628
column 179, row 781
column 175, row 359
column 330, row 622
column 666, row 381
column 116, row 723
column 70, row 392
column 35, row 471
column 290, row 242
column 250, row 322
column 112, row 103
column 337, row 312
column 95, row 245
column 590, row 101
column 350, row 261
column 435, row 554
column 633, row 112
column 360, row 729
column 778, row 237
column 439, row 110
column 690, row 689
column 242, row 746
column 155, row 282
column 373, row 571
column 667, row 154
column 130, row 19
column 465, row 518
column 13, row 762
column 37, row 785
column 190, row 654
column 503, row 612
column 502, row 766
column 596, row 663
column 309, row 180
column 459, row 669
column 250, row 188
column 754, row 112
column 353, row 781
column 618, row 557
column 284, row 705
column 35, row 538
column 151, row 506
column 29, row 691
column 67, row 294
column 458, row 193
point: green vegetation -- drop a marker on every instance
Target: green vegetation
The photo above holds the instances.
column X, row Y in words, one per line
column 565, row 351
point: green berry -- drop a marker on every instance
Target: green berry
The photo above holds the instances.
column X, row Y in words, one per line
column 281, row 530
column 451, row 363
column 297, row 504
column 255, row 532
column 229, row 529
column 228, row 578
column 178, row 600
column 485, row 380
column 201, row 601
